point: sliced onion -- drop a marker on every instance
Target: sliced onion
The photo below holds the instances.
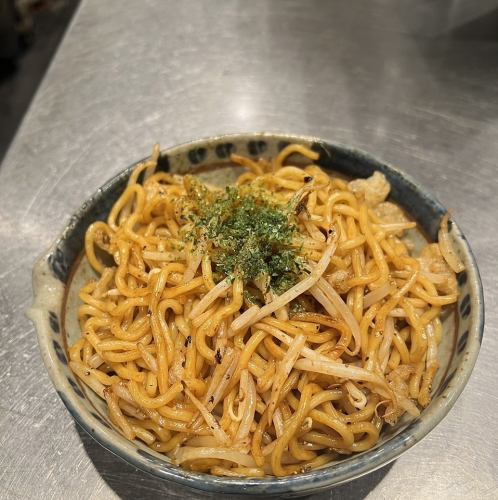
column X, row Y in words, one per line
column 408, row 405
column 340, row 306
column 284, row 367
column 148, row 358
column 247, row 316
column 398, row 312
column 116, row 414
column 376, row 295
column 446, row 247
column 209, row 298
column 86, row 375
column 268, row 449
column 162, row 256
column 356, row 397
column 396, row 226
column 218, row 373
column 249, row 408
column 213, row 425
column 287, row 340
column 122, row 391
column 193, row 265
column 431, row 357
column 131, row 410
column 278, row 422
column 291, row 294
column 95, row 361
column 189, row 453
column 226, row 374
column 203, row 441
column 339, row 370
column 400, row 400
column 385, row 345
column 436, row 278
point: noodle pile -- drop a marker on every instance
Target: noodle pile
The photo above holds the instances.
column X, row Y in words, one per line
column 237, row 368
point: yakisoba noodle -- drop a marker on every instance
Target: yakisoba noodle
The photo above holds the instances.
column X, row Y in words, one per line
column 240, row 371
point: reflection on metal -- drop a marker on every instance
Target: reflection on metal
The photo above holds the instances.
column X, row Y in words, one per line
column 372, row 74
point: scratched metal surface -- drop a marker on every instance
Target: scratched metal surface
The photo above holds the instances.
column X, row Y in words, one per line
column 415, row 83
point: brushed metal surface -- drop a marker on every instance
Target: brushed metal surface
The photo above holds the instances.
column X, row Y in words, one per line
column 414, row 83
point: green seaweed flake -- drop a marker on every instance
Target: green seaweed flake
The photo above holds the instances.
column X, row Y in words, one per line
column 248, row 234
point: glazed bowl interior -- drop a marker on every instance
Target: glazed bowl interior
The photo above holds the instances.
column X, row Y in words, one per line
column 59, row 274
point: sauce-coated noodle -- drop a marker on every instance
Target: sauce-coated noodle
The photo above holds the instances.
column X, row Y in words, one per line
column 264, row 329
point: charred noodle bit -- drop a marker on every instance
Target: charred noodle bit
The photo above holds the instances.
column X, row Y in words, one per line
column 248, row 331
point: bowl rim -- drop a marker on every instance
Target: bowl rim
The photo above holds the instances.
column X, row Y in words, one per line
column 338, row 473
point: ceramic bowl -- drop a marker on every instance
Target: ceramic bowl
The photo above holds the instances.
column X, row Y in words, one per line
column 59, row 273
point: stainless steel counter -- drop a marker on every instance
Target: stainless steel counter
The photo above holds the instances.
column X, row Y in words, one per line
column 414, row 83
